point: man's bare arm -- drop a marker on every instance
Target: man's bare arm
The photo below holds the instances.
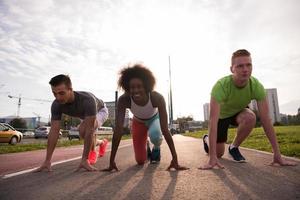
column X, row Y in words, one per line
column 265, row 119
column 212, row 136
column 51, row 143
column 263, row 109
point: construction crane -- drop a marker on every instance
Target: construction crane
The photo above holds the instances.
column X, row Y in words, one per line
column 20, row 98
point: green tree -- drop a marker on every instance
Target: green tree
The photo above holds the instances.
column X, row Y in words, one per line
column 205, row 124
column 182, row 121
column 294, row 119
column 65, row 121
column 108, row 123
column 68, row 121
column 18, row 123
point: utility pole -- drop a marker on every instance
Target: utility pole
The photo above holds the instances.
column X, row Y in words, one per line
column 170, row 95
column 19, row 103
column 169, row 108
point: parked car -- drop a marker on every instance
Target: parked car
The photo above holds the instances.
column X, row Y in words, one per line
column 9, row 135
column 28, row 134
column 43, row 132
column 174, row 131
column 103, row 130
column 8, row 126
column 73, row 133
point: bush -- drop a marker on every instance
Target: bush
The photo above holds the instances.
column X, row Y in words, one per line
column 277, row 124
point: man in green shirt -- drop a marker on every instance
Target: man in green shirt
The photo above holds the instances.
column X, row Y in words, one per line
column 230, row 97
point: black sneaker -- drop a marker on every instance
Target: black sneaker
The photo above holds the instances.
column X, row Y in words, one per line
column 149, row 153
column 155, row 156
column 205, row 145
column 236, row 155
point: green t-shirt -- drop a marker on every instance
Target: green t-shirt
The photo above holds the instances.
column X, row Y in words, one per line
column 232, row 99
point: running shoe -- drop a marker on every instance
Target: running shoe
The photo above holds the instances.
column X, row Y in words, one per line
column 236, row 155
column 92, row 157
column 205, row 145
column 149, row 153
column 155, row 156
column 102, row 148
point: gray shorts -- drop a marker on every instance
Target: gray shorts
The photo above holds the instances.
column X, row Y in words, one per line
column 102, row 116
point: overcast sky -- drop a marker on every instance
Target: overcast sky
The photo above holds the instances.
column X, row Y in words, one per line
column 92, row 40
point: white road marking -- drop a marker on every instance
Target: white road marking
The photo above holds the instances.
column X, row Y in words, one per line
column 6, row 176
column 268, row 153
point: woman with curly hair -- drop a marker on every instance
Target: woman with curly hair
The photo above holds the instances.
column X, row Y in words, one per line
column 149, row 117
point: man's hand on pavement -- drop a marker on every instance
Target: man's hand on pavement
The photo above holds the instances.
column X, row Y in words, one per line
column 279, row 161
column 211, row 164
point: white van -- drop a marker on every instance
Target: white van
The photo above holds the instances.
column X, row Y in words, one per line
column 104, row 130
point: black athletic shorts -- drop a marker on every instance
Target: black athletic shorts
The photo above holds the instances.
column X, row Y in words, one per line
column 223, row 125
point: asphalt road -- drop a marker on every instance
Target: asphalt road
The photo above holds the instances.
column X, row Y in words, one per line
column 252, row 180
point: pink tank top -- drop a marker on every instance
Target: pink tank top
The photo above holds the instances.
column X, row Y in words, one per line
column 143, row 112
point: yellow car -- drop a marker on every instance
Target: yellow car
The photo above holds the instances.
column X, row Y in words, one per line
column 9, row 135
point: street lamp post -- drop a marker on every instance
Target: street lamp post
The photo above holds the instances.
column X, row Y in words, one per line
column 170, row 95
column 19, row 103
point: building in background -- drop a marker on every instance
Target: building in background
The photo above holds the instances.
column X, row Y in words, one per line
column 112, row 113
column 253, row 105
column 111, row 110
column 194, row 126
column 273, row 104
column 272, row 99
column 206, row 111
